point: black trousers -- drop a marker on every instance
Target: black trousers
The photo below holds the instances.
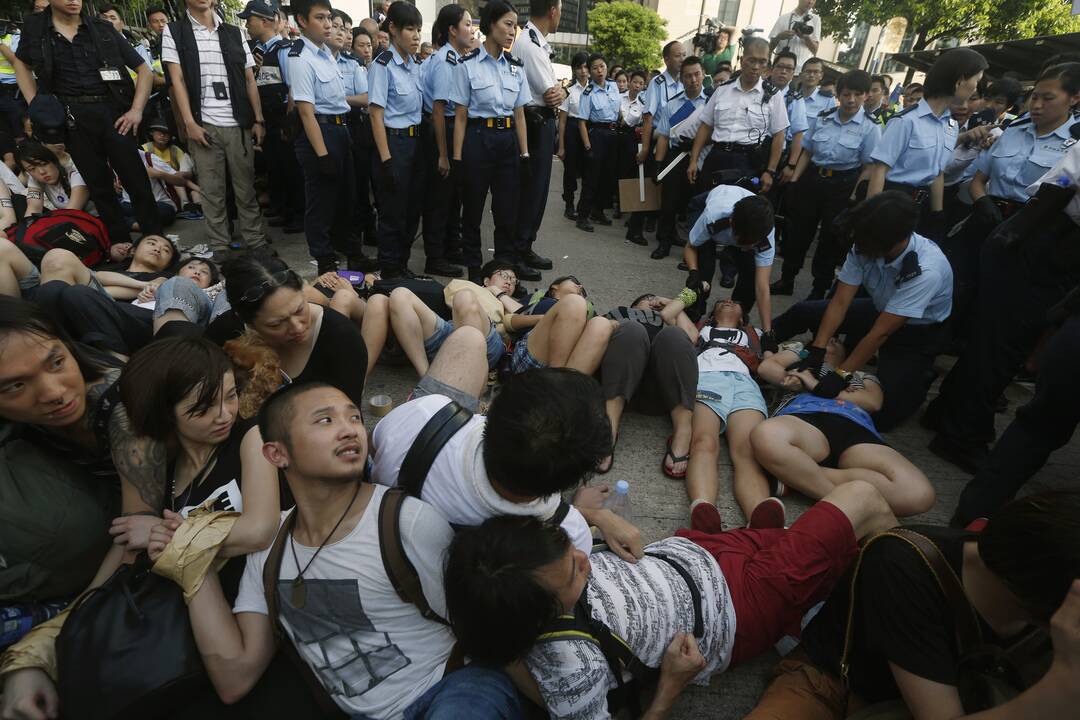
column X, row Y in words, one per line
column 1019, row 284
column 400, row 199
column 599, row 172
column 674, row 196
column 490, row 157
column 536, row 182
column 328, row 214
column 572, row 163
column 442, row 200
column 99, row 151
column 283, row 172
column 91, row 318
column 363, row 147
column 1042, row 426
column 963, row 249
column 905, row 361
column 811, row 202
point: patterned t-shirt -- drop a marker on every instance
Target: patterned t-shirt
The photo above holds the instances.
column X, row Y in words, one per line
column 646, row 603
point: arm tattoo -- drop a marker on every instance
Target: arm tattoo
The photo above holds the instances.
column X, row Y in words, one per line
column 140, row 461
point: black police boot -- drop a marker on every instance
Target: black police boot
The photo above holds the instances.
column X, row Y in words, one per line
column 363, row 263
column 533, row 260
column 662, row 251
column 967, row 458
column 783, row 286
column 326, row 264
column 815, row 294
column 600, row 218
column 584, row 225
column 637, row 238
column 442, row 267
column 728, row 273
column 524, row 272
column 570, row 213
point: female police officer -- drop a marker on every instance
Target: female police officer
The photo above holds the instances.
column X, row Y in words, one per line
column 599, row 109
column 395, row 101
column 490, row 141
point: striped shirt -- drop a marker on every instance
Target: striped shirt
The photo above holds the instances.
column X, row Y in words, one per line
column 211, row 68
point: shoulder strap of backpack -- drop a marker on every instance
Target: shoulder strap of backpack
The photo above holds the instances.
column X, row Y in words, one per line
column 560, row 514
column 753, row 338
column 401, row 572
column 425, row 448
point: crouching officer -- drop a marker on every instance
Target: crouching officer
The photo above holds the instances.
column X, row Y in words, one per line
column 835, row 153
column 909, row 282
column 323, row 146
column 82, row 61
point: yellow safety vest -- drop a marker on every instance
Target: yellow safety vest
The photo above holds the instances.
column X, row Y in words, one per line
column 6, row 68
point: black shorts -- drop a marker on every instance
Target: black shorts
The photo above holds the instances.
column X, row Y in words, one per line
column 841, row 434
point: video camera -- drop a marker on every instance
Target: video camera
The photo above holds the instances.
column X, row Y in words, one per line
column 707, row 40
column 749, row 32
column 803, row 27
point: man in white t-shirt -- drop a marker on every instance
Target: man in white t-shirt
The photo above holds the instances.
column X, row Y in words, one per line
column 790, row 33
column 695, row 605
column 545, row 431
column 374, row 653
column 215, row 95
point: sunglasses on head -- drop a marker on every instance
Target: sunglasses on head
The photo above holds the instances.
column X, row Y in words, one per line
column 267, row 286
column 560, row 280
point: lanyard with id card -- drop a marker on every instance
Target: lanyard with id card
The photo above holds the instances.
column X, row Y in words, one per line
column 109, row 74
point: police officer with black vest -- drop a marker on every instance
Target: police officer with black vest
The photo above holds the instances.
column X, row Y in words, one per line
column 83, row 61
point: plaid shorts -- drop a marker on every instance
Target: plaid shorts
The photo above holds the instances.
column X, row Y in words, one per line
column 521, row 359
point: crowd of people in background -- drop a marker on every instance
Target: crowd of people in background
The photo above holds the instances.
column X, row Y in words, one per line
column 200, row 408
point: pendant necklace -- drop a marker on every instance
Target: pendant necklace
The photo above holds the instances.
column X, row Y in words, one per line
column 299, row 590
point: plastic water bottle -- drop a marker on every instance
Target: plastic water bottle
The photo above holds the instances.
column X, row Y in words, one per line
column 619, row 501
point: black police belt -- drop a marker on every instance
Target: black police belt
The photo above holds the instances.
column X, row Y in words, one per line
column 1007, row 207
column 834, row 175
column 737, row 148
column 410, row 131
column 495, row 123
column 918, row 193
column 602, row 125
column 332, row 119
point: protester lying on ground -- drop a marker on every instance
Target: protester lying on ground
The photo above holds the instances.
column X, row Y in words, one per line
column 650, row 365
column 544, row 433
column 388, row 658
column 372, row 315
column 813, row 444
column 196, row 294
column 905, row 627
column 566, row 334
column 729, row 402
column 153, row 259
column 50, row 185
column 695, row 605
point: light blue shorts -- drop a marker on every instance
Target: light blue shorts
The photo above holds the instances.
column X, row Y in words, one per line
column 724, row 392
column 495, row 344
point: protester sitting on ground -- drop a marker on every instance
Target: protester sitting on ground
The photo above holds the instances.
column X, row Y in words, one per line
column 303, row 341
column 372, row 315
column 165, row 182
column 162, row 146
column 195, row 295
column 50, row 185
column 18, row 276
column 544, row 433
column 153, row 259
column 566, row 333
column 335, row 600
column 1022, row 567
column 695, row 605
column 421, row 332
column 650, row 365
column 813, row 444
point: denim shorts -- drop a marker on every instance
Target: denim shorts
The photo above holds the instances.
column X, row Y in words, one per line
column 181, row 293
column 725, row 391
column 521, row 359
column 495, row 344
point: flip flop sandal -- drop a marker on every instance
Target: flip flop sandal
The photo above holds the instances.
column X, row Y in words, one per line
column 612, row 464
column 674, row 459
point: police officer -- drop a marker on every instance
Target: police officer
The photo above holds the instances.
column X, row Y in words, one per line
column 532, row 47
column 490, row 143
column 322, row 146
column 395, row 102
column 631, row 116
column 674, row 188
column 834, row 154
column 81, row 60
column 918, row 142
column 599, row 108
column 780, row 75
column 452, row 35
column 12, row 106
column 909, row 283
column 569, row 141
column 283, row 172
column 660, row 91
column 810, row 77
column 877, row 100
column 363, row 144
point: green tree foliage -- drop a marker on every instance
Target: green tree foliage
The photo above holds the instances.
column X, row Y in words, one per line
column 933, row 20
column 627, row 33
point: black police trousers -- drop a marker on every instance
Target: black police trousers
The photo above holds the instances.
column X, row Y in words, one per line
column 329, row 198
column 363, row 147
column 1018, row 284
column 811, row 202
column 283, row 173
column 1042, row 426
column 572, row 163
column 442, row 198
column 536, row 182
column 490, row 158
column 400, row 193
column 905, row 362
column 599, row 179
column 98, row 150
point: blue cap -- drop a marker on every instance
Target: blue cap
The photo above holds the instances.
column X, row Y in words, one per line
column 258, row 8
column 48, row 118
column 622, row 487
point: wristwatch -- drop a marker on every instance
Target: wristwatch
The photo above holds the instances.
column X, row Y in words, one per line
column 499, row 296
column 767, row 170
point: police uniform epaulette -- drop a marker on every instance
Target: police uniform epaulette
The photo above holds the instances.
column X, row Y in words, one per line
column 659, row 79
column 475, row 52
column 511, row 59
column 905, row 111
column 384, row 57
column 297, row 47
column 828, row 112
column 909, row 268
column 676, row 95
column 451, row 57
column 728, row 81
column 1074, row 131
column 1018, row 122
column 794, row 95
column 587, row 90
column 534, row 38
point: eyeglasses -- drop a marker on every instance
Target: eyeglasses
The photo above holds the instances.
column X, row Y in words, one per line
column 756, row 62
column 785, row 68
column 507, row 276
column 269, row 285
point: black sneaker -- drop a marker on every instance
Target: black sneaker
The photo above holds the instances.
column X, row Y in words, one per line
column 727, row 276
column 533, row 260
column 584, row 225
column 442, row 267
column 964, row 457
column 637, row 239
column 815, row 295
column 782, row 287
column 683, row 266
column 326, row 264
column 362, row 263
column 570, row 213
column 661, row 251
column 524, row 272
column 600, row 218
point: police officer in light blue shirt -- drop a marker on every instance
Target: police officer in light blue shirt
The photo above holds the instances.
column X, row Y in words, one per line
column 395, row 102
column 909, row 283
column 659, row 92
column 833, row 156
column 323, row 147
column 598, row 127
column 490, row 91
column 442, row 200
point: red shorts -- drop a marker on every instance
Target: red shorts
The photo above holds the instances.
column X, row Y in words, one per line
column 775, row 576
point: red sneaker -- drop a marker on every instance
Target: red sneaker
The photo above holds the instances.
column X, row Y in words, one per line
column 769, row 513
column 705, row 518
